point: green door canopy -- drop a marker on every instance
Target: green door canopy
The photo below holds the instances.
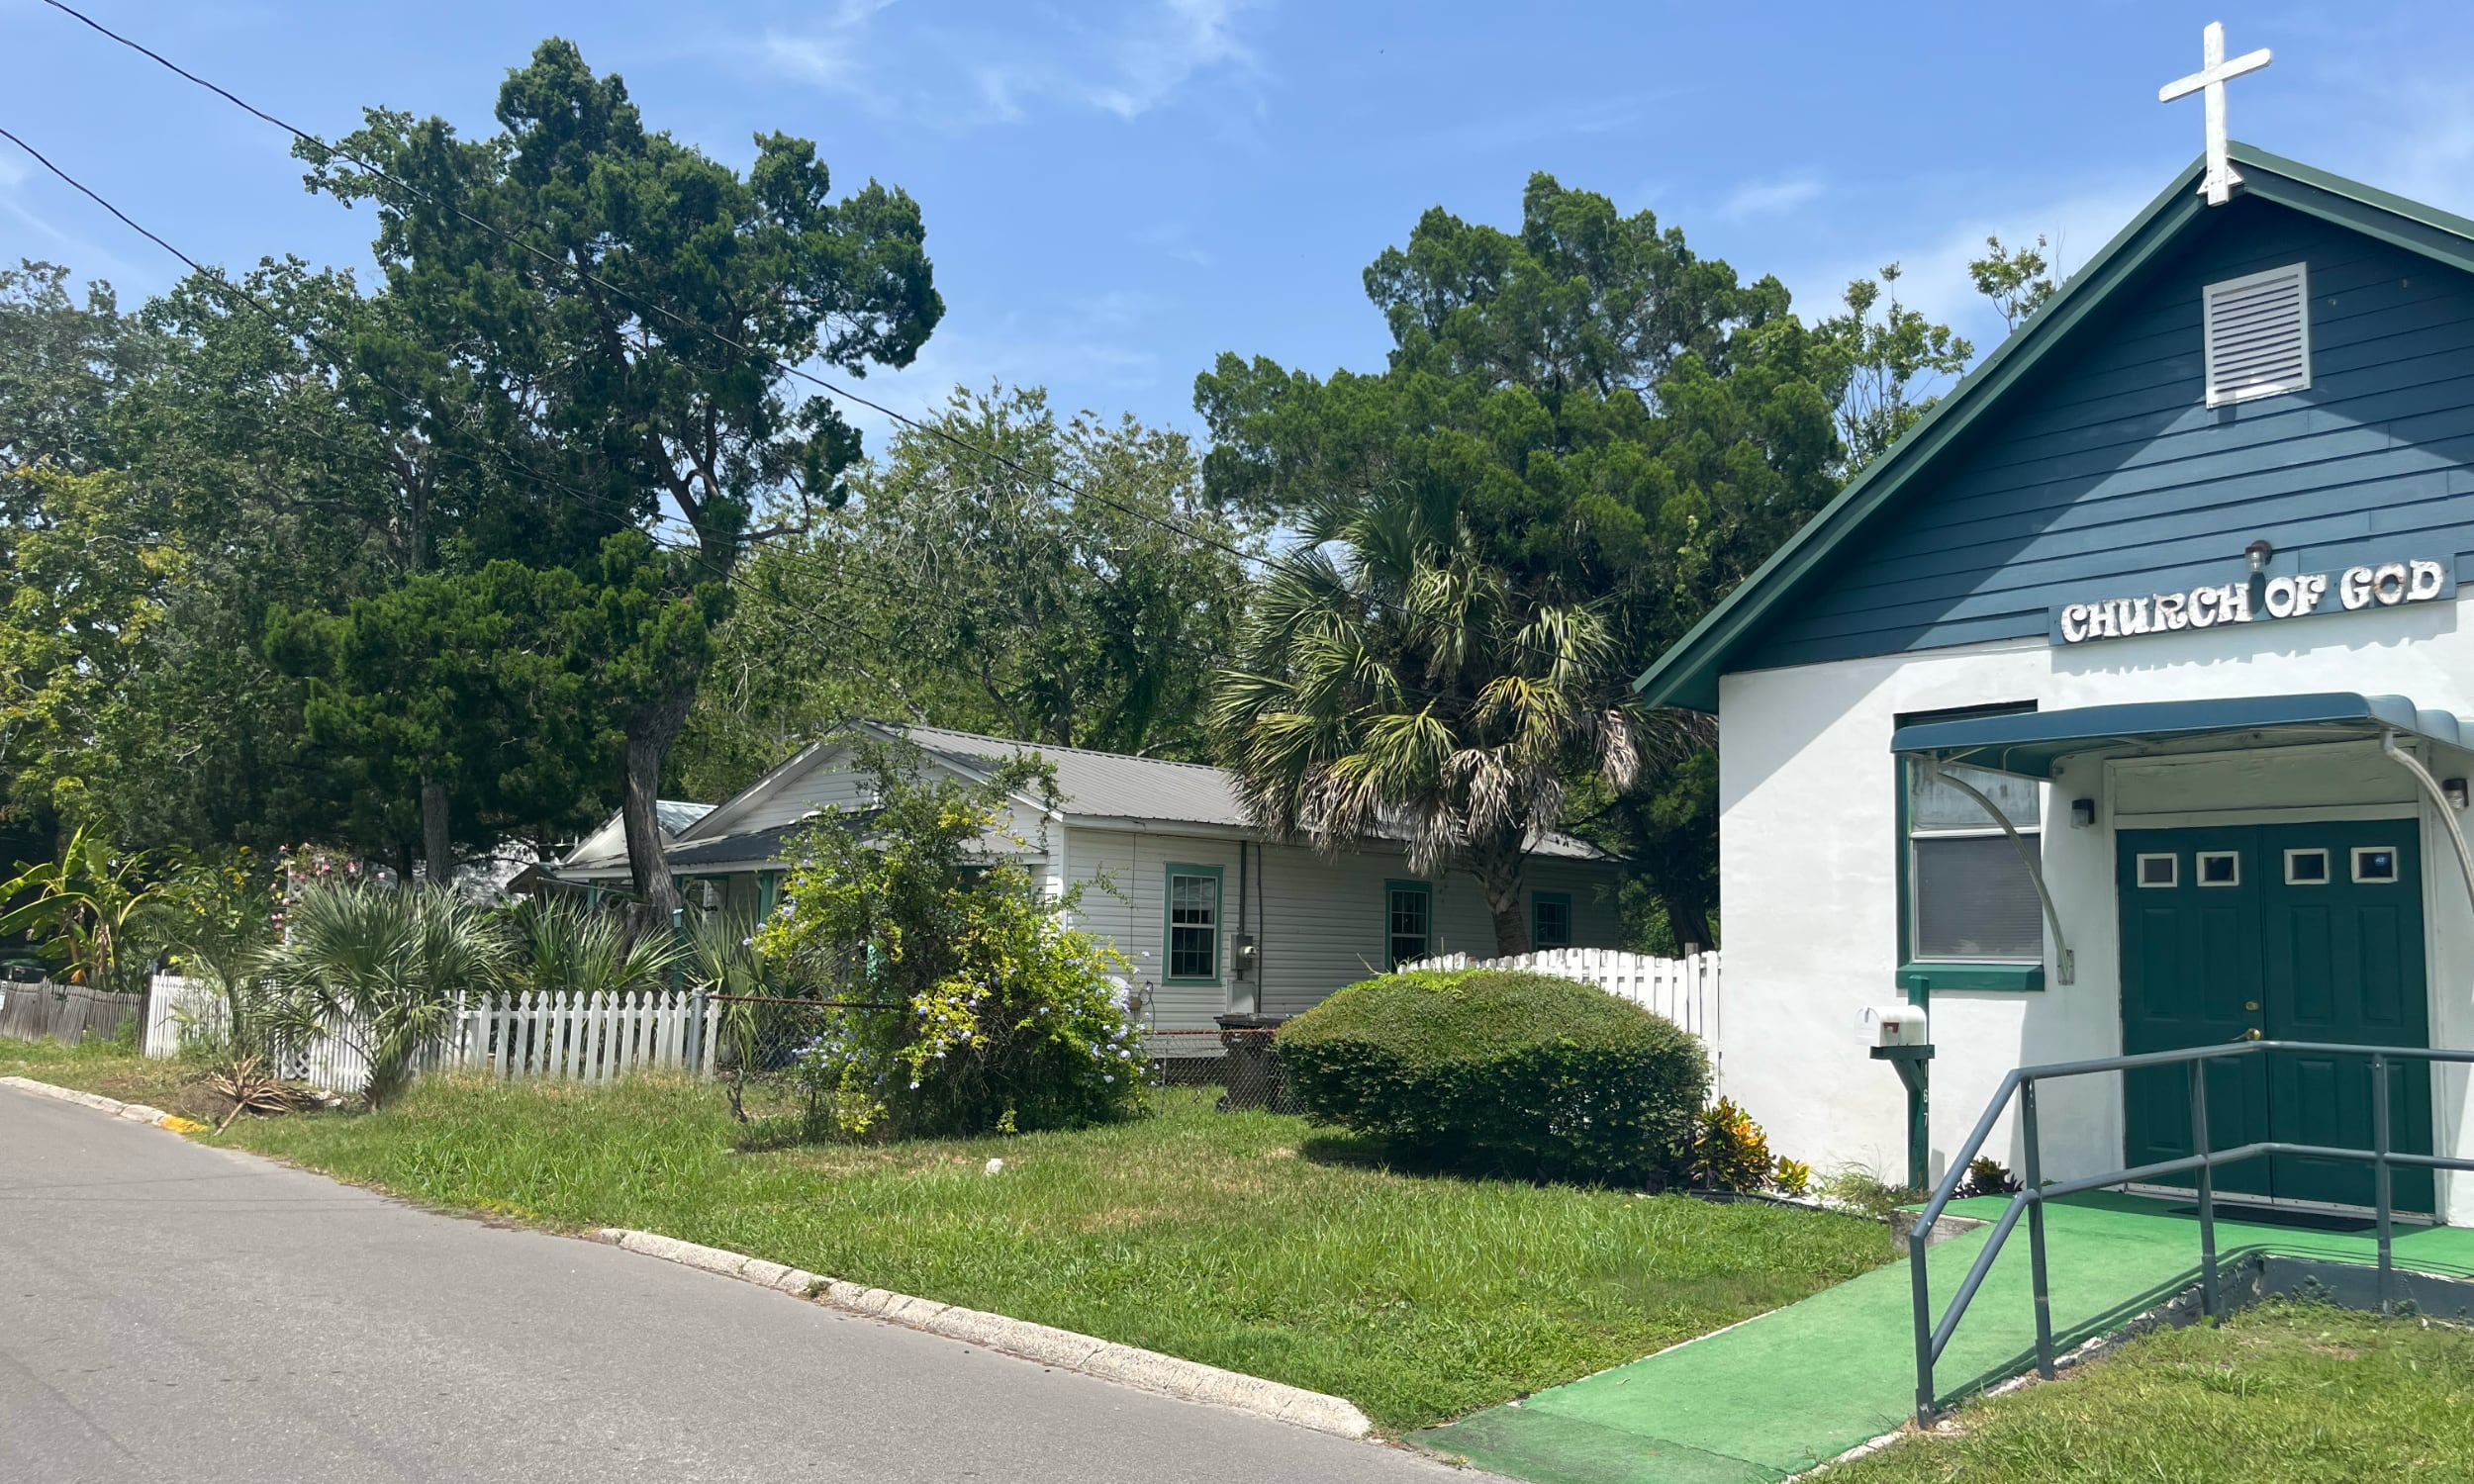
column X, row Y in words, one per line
column 2031, row 744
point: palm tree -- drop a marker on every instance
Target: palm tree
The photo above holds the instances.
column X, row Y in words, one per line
column 1391, row 683
column 384, row 970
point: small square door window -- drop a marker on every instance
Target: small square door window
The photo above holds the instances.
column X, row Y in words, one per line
column 2219, row 868
column 2160, row 871
column 2374, row 864
column 2306, row 867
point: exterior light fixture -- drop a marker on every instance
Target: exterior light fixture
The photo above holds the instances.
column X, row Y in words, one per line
column 2258, row 552
column 2454, row 789
column 2083, row 813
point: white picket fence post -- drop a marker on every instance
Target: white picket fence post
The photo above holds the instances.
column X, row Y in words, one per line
column 572, row 1036
column 1685, row 990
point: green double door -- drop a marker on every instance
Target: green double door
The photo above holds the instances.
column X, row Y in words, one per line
column 2301, row 932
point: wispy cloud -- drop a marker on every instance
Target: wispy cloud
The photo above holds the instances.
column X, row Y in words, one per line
column 1933, row 267
column 1142, row 58
column 1768, row 198
column 1164, row 47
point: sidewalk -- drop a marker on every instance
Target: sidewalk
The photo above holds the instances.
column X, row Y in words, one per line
column 1800, row 1386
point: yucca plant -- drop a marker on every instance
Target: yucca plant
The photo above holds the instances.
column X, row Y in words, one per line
column 383, row 968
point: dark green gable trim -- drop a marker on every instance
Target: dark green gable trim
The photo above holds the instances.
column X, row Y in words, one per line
column 1687, row 673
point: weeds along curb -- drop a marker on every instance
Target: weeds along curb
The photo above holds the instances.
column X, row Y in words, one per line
column 1146, row 1370
column 133, row 1112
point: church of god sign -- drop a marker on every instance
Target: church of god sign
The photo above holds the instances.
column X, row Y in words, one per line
column 2385, row 585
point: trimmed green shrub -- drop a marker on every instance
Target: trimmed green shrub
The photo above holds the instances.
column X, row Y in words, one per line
column 1525, row 1074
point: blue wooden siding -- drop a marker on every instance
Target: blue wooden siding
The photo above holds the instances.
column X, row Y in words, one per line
column 2110, row 475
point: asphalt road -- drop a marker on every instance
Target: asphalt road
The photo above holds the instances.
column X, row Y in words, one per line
column 172, row 1312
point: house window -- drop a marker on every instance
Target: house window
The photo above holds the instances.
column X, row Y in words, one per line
column 1550, row 919
column 1410, row 922
column 1194, row 925
column 1972, row 898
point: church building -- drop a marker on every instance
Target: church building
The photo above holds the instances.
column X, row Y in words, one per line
column 2118, row 708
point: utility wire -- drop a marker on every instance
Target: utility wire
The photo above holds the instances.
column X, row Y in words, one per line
column 643, row 304
column 694, row 552
column 886, row 644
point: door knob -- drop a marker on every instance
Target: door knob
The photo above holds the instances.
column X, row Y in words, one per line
column 2252, row 1034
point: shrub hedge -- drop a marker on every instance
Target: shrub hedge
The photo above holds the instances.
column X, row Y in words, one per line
column 1525, row 1074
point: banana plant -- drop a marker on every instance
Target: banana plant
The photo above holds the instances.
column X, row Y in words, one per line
column 88, row 912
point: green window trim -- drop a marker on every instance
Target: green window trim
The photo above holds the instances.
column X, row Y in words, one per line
column 768, row 886
column 1917, row 979
column 1425, row 889
column 1537, row 934
column 1921, row 980
column 1167, row 923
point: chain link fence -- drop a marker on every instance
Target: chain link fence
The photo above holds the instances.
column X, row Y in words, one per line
column 1242, row 1064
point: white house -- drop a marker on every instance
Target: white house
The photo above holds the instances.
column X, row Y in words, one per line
column 1213, row 916
column 2169, row 583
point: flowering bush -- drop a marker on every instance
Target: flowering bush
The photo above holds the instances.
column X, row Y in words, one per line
column 975, row 1006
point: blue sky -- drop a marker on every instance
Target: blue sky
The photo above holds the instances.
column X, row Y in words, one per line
column 1116, row 191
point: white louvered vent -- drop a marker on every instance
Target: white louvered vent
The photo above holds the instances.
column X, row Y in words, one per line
column 2258, row 333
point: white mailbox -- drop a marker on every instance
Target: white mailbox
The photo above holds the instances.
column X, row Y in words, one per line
column 1895, row 1025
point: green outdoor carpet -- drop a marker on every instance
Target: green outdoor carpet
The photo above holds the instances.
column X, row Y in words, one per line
column 1792, row 1388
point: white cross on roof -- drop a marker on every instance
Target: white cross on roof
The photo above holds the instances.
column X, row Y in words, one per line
column 2215, row 69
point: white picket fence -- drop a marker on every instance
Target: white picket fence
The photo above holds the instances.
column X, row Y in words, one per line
column 590, row 1038
column 1685, row 990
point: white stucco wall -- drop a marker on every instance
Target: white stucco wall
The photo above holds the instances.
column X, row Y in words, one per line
column 1809, row 858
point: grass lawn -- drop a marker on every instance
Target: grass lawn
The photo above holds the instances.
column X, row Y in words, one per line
column 2278, row 1393
column 114, row 1071
column 1247, row 1241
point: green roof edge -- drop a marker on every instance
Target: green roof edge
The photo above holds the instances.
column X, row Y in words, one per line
column 1686, row 675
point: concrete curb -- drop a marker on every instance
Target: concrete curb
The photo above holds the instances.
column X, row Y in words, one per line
column 133, row 1112
column 1146, row 1370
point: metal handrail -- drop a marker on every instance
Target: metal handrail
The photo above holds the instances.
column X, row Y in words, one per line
column 1933, row 1337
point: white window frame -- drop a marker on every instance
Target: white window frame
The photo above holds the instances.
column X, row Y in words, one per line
column 2174, row 870
column 2396, row 863
column 2199, row 868
column 2328, row 866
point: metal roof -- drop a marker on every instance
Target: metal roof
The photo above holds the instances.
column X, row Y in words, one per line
column 1686, row 675
column 2031, row 744
column 1112, row 785
column 1105, row 783
column 607, row 845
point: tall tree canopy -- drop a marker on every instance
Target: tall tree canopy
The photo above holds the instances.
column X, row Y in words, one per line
column 1624, row 428
column 999, row 570
column 626, row 305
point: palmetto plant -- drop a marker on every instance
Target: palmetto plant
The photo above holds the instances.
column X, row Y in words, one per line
column 383, row 968
column 1391, row 683
column 565, row 949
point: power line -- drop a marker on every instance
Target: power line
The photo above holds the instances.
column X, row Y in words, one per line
column 643, row 304
column 888, row 643
column 216, row 278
